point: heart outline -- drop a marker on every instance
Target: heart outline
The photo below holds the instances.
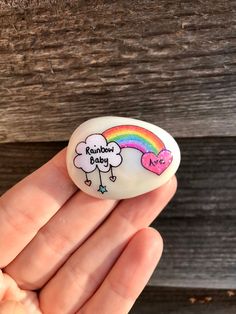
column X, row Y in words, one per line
column 88, row 182
column 112, row 178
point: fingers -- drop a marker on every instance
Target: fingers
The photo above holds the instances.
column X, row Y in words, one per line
column 84, row 271
column 2, row 286
column 26, row 207
column 12, row 307
column 53, row 244
column 129, row 275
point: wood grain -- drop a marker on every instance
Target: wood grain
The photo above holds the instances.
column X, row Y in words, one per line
column 198, row 226
column 17, row 160
column 168, row 62
column 207, row 178
column 155, row 300
column 198, row 252
column 207, row 174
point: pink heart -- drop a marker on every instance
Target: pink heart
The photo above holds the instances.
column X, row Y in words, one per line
column 157, row 163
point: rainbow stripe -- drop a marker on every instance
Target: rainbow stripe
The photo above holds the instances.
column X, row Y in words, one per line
column 133, row 136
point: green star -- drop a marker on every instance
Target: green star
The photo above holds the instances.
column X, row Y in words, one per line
column 102, row 189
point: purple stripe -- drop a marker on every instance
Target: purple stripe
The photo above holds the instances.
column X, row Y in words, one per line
column 133, row 145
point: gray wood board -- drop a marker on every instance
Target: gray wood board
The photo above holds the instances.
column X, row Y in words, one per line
column 155, row 300
column 198, row 252
column 206, row 177
column 171, row 63
column 198, row 226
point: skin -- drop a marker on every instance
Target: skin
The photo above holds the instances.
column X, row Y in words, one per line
column 65, row 252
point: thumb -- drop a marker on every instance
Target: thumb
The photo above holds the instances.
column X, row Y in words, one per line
column 11, row 307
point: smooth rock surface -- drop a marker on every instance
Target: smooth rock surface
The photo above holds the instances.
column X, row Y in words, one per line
column 117, row 158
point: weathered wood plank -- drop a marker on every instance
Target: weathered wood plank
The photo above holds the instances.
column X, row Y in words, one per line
column 17, row 160
column 198, row 226
column 207, row 178
column 198, row 252
column 207, row 174
column 155, row 300
column 168, row 62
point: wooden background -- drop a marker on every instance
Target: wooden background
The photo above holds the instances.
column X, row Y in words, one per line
column 172, row 63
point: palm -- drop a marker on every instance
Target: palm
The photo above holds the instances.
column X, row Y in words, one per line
column 79, row 253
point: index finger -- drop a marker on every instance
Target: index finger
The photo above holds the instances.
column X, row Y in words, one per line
column 28, row 205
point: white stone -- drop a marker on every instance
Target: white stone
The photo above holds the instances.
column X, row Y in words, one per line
column 117, row 158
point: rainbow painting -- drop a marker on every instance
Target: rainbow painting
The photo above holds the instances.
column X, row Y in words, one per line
column 102, row 151
column 133, row 136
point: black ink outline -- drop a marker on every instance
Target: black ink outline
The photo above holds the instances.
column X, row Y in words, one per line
column 87, row 181
column 96, row 167
column 157, row 157
column 112, row 177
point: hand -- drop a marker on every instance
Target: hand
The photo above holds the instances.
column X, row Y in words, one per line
column 62, row 251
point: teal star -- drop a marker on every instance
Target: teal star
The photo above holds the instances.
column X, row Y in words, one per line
column 102, row 189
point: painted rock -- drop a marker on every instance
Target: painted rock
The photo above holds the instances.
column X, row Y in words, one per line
column 117, row 158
